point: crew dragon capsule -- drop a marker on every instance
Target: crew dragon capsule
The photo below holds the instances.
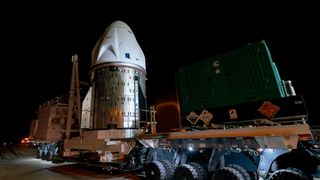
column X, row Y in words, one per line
column 118, row 74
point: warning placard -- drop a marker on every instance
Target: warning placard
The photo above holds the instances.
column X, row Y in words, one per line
column 205, row 117
column 193, row 118
column 233, row 114
column 268, row 109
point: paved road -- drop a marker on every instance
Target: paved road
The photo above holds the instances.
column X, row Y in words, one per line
column 25, row 166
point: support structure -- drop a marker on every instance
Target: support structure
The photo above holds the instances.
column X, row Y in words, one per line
column 153, row 120
column 74, row 110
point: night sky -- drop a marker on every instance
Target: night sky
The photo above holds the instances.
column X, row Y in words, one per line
column 37, row 45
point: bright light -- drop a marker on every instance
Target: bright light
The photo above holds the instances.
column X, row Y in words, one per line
column 190, row 148
column 266, row 149
column 25, row 141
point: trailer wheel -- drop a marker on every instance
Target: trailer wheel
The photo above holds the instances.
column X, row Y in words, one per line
column 155, row 170
column 284, row 174
column 227, row 173
column 202, row 172
column 169, row 167
column 39, row 154
column 43, row 155
column 185, row 172
column 56, row 160
column 47, row 156
column 241, row 170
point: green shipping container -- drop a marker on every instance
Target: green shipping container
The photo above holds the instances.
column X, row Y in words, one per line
column 243, row 75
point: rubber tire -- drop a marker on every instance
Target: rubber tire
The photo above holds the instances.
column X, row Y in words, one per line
column 155, row 170
column 227, row 173
column 169, row 167
column 242, row 171
column 56, row 160
column 39, row 154
column 292, row 174
column 43, row 156
column 185, row 172
column 202, row 172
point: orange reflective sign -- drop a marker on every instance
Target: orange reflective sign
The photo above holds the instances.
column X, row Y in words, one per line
column 268, row 109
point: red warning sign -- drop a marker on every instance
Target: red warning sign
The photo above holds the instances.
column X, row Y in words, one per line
column 268, row 109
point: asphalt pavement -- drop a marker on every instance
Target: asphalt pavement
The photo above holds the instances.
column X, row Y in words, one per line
column 20, row 162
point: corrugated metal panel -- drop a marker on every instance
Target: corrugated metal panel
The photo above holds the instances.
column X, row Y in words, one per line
column 243, row 75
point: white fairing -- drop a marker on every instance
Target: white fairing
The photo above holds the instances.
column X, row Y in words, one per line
column 119, row 45
column 86, row 110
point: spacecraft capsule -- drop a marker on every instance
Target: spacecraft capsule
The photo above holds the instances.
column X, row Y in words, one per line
column 118, row 75
column 118, row 46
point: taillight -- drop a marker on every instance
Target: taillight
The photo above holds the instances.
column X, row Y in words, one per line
column 305, row 137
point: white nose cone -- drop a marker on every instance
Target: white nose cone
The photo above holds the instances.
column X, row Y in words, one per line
column 118, row 46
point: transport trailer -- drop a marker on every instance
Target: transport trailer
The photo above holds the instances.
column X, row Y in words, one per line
column 239, row 153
